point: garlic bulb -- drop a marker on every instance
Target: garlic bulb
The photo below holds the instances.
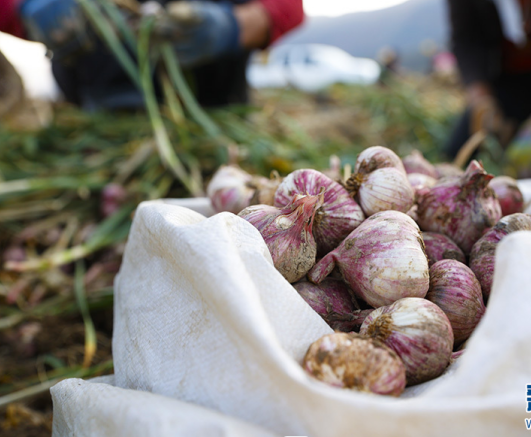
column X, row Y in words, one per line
column 382, row 260
column 462, row 208
column 482, row 256
column 439, row 246
column 266, row 189
column 231, row 189
column 381, row 190
column 455, row 289
column 418, row 331
column 348, row 361
column 334, row 302
column 416, row 163
column 113, row 196
column 509, row 195
column 420, row 181
column 287, row 232
column 334, row 170
column 413, row 212
column 445, row 170
column 335, row 219
column 373, row 158
column 380, row 182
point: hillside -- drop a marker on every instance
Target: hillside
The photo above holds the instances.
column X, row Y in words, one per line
column 403, row 27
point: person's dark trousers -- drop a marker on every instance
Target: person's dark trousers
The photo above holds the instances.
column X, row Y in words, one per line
column 97, row 81
column 513, row 95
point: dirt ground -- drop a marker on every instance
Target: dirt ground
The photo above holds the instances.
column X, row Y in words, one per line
column 33, row 349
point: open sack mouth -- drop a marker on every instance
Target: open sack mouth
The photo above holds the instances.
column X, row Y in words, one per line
column 202, row 316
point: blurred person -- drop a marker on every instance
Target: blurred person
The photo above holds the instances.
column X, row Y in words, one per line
column 491, row 40
column 390, row 64
column 212, row 44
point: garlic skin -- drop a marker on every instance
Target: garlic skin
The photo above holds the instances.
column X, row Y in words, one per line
column 416, row 163
column 335, row 219
column 383, row 189
column 462, row 208
column 373, row 158
column 382, row 260
column 333, row 301
column 231, row 189
column 455, row 289
column 349, row 361
column 482, row 256
column 418, row 331
column 509, row 195
column 439, row 246
column 288, row 233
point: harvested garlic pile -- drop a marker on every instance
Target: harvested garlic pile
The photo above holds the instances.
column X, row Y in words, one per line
column 401, row 251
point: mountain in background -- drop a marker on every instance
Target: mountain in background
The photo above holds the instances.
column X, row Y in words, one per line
column 403, row 28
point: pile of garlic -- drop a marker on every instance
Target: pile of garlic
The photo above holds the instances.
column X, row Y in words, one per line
column 382, row 257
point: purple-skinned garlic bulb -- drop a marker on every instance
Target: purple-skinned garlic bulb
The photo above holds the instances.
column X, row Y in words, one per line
column 439, row 246
column 418, row 331
column 509, row 195
column 333, row 301
column 288, row 234
column 462, row 208
column 455, row 289
column 232, row 188
column 382, row 260
column 266, row 189
column 334, row 169
column 416, row 163
column 420, row 181
column 373, row 158
column 339, row 214
column 483, row 254
column 348, row 361
column 383, row 189
column 445, row 170
column 380, row 183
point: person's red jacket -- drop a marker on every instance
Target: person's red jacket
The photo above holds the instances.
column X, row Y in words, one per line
column 9, row 19
column 285, row 15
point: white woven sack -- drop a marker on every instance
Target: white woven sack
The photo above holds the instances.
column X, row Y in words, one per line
column 201, row 315
column 99, row 409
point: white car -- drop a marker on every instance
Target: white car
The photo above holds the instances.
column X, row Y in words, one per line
column 310, row 67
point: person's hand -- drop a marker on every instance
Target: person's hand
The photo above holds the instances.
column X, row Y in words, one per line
column 200, row 31
column 59, row 24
